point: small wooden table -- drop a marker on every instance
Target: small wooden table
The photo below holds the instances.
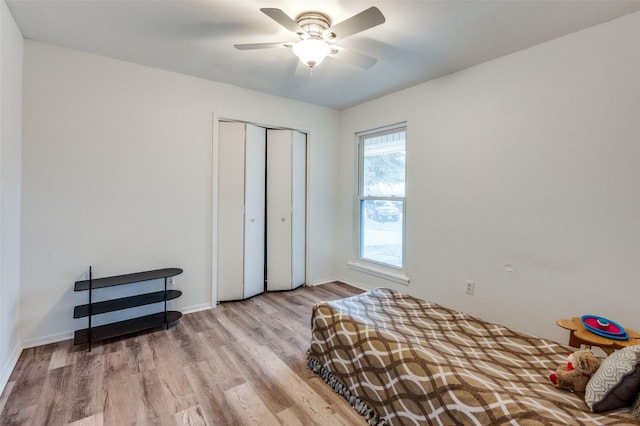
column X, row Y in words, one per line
column 579, row 335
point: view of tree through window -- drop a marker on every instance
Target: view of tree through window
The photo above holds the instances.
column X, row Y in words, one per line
column 382, row 197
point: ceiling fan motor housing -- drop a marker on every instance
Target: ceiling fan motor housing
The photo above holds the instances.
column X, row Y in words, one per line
column 315, row 24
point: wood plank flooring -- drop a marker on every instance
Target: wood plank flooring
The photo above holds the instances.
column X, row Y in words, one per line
column 241, row 363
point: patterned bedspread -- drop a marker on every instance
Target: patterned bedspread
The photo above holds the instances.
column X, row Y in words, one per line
column 414, row 362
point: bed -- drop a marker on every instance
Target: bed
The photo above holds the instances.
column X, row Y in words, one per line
column 400, row 360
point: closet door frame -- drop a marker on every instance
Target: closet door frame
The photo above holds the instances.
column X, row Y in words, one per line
column 217, row 118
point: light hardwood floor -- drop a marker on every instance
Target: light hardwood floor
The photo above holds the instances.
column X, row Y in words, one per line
column 241, row 363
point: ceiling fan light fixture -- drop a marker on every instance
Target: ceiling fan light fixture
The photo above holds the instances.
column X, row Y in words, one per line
column 311, row 51
column 317, row 35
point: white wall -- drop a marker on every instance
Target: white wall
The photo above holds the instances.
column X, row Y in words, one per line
column 117, row 173
column 10, row 136
column 531, row 160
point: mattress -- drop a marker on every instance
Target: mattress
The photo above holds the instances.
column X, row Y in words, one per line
column 400, row 360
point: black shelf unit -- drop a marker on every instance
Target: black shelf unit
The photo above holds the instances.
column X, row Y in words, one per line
column 120, row 328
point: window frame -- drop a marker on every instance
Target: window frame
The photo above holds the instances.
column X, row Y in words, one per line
column 364, row 264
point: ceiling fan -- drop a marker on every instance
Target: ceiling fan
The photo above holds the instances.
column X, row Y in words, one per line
column 317, row 36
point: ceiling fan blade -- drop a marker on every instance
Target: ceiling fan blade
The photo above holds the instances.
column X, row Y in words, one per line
column 283, row 19
column 254, row 46
column 362, row 21
column 352, row 57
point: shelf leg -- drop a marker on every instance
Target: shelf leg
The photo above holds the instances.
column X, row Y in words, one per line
column 166, row 325
column 90, row 302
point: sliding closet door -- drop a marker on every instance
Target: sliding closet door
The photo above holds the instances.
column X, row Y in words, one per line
column 241, row 206
column 286, row 201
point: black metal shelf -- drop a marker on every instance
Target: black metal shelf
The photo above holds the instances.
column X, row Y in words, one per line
column 91, row 309
column 120, row 328
column 127, row 279
column 112, row 305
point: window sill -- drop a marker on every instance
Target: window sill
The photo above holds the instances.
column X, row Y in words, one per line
column 397, row 277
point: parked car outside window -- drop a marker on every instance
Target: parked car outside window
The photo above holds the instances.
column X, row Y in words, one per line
column 382, row 211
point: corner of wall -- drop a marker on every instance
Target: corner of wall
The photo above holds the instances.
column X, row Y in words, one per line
column 7, row 369
column 11, row 59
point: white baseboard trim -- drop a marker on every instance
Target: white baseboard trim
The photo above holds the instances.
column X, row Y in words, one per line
column 6, row 371
column 45, row 340
column 356, row 284
column 196, row 308
column 66, row 335
column 323, row 281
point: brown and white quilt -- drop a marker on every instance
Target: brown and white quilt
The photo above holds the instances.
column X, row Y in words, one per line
column 401, row 361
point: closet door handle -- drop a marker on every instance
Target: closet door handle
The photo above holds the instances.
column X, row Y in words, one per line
column 252, row 220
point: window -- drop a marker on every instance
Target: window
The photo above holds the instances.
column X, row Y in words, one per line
column 381, row 197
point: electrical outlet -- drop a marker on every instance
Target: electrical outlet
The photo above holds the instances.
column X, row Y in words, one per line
column 170, row 281
column 470, row 287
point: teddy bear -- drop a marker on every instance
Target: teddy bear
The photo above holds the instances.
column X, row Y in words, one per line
column 574, row 376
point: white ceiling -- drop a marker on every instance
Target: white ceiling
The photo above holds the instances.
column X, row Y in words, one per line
column 420, row 40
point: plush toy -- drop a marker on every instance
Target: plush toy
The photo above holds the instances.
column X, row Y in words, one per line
column 579, row 369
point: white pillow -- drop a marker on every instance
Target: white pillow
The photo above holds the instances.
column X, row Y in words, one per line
column 617, row 381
